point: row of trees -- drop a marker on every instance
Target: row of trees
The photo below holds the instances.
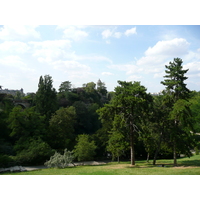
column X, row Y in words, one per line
column 128, row 123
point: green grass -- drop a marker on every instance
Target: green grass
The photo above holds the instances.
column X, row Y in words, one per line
column 186, row 166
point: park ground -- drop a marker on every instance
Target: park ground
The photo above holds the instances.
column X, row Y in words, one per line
column 186, row 166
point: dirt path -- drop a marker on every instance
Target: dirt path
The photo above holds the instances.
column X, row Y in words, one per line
column 31, row 168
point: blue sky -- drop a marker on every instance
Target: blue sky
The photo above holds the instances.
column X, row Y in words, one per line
column 81, row 54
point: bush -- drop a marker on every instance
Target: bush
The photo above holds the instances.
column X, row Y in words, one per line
column 36, row 153
column 6, row 161
column 60, row 161
column 85, row 149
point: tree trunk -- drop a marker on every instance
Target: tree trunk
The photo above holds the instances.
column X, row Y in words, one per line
column 148, row 157
column 132, row 144
column 175, row 157
column 175, row 161
column 157, row 150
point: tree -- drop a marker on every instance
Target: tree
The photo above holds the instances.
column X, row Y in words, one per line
column 117, row 143
column 90, row 87
column 195, row 109
column 26, row 123
column 82, row 122
column 177, row 97
column 46, row 99
column 101, row 88
column 60, row 161
column 84, row 149
column 130, row 102
column 65, row 87
column 61, row 127
column 29, row 133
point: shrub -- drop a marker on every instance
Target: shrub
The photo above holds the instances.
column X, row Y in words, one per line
column 85, row 149
column 60, row 161
column 36, row 153
column 6, row 161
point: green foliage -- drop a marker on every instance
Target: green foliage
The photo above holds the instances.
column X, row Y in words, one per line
column 65, row 87
column 6, row 161
column 34, row 151
column 174, row 82
column 60, row 161
column 84, row 149
column 117, row 143
column 90, row 87
column 131, row 102
column 26, row 123
column 101, row 88
column 195, row 110
column 177, row 96
column 196, row 150
column 62, row 128
column 46, row 99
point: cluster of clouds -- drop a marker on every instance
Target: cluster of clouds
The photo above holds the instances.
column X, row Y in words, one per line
column 19, row 43
column 112, row 33
column 18, row 32
column 152, row 64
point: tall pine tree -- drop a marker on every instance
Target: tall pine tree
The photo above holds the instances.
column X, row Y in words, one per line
column 177, row 97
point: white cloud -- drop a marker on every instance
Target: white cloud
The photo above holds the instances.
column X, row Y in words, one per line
column 175, row 47
column 160, row 54
column 128, row 68
column 74, row 70
column 14, row 47
column 48, row 51
column 15, row 62
column 150, row 61
column 117, row 34
column 15, row 32
column 106, row 34
column 67, row 66
column 12, row 61
column 93, row 58
column 107, row 73
column 194, row 67
column 134, row 78
column 74, row 33
column 159, row 75
column 130, row 31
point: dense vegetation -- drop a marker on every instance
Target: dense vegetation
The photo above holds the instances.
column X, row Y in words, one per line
column 128, row 123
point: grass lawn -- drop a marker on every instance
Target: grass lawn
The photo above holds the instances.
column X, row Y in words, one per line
column 186, row 166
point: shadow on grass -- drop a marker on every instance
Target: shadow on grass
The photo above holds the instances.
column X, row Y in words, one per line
column 195, row 163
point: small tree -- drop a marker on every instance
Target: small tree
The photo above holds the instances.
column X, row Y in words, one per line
column 84, row 149
column 60, row 161
column 117, row 143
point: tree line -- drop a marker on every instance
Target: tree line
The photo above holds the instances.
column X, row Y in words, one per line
column 128, row 123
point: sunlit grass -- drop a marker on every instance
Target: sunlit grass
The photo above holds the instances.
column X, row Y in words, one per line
column 186, row 166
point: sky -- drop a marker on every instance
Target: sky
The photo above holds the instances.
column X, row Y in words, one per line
column 86, row 53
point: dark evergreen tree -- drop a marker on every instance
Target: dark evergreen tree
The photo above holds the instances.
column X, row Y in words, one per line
column 177, row 97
